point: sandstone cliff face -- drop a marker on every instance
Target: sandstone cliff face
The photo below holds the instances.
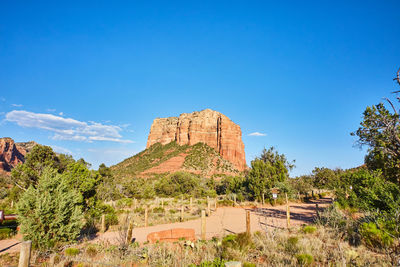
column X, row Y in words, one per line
column 10, row 154
column 207, row 126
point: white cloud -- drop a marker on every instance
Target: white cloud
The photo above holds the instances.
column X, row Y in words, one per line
column 257, row 134
column 67, row 128
column 51, row 110
column 16, row 105
column 61, row 150
column 61, row 113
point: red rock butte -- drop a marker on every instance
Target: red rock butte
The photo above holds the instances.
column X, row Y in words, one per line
column 206, row 126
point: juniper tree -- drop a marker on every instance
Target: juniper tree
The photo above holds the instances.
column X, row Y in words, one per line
column 50, row 214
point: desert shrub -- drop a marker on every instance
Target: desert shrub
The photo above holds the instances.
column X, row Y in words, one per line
column 6, row 233
column 217, row 262
column 291, row 245
column 124, row 203
column 304, row 259
column 232, row 184
column 158, row 210
column 50, row 214
column 225, row 203
column 332, row 217
column 373, row 237
column 232, row 243
column 91, row 251
column 178, row 183
column 139, row 210
column 309, row 229
column 368, row 191
column 249, row 264
column 71, row 252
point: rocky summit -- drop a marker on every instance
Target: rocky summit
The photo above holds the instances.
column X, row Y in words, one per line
column 207, row 126
column 12, row 154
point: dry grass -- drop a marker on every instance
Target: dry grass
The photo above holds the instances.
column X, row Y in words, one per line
column 274, row 248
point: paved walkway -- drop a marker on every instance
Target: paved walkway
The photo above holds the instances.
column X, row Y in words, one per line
column 223, row 221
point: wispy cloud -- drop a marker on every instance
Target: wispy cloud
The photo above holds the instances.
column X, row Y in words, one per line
column 2, row 99
column 51, row 110
column 62, row 150
column 67, row 128
column 257, row 134
column 17, row 105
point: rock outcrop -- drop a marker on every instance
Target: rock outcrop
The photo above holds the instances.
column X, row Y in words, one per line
column 10, row 154
column 207, row 126
column 173, row 235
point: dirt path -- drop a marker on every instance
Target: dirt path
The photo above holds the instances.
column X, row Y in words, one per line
column 223, row 221
column 232, row 220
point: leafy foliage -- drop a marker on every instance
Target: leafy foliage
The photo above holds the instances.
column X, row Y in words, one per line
column 266, row 171
column 50, row 214
column 181, row 183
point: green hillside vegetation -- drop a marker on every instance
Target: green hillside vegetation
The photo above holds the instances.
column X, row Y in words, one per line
column 199, row 157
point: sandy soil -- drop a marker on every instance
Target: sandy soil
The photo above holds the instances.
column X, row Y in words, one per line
column 222, row 221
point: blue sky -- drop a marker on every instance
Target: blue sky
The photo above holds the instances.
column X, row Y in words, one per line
column 89, row 78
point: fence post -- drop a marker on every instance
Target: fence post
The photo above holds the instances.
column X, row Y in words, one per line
column 145, row 217
column 103, row 223
column 129, row 234
column 25, row 254
column 234, row 200
column 182, row 209
column 215, row 204
column 191, row 204
column 248, row 222
column 317, row 210
column 134, row 203
column 203, row 225
column 162, row 203
column 287, row 211
column 263, row 199
column 208, row 207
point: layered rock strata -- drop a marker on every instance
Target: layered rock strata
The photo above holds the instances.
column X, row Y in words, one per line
column 207, row 126
column 10, row 154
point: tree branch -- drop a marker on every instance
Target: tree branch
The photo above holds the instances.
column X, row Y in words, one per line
column 398, row 77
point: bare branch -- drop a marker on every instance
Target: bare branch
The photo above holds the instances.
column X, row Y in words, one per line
column 390, row 102
column 398, row 77
column 20, row 187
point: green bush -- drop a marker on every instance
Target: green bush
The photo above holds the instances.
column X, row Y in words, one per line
column 50, row 214
column 374, row 237
column 304, row 259
column 225, row 203
column 6, row 233
column 217, row 262
column 158, row 210
column 177, row 184
column 124, row 203
column 291, row 245
column 72, row 252
column 309, row 229
column 249, row 264
column 241, row 242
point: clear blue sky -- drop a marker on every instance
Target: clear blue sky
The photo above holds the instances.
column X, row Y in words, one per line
column 300, row 72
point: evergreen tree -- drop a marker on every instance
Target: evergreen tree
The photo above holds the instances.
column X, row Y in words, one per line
column 50, row 214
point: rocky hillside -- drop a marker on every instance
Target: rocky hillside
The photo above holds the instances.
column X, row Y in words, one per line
column 158, row 158
column 12, row 154
column 207, row 126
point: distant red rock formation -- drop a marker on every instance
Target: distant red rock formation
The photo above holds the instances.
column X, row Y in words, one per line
column 12, row 154
column 207, row 126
